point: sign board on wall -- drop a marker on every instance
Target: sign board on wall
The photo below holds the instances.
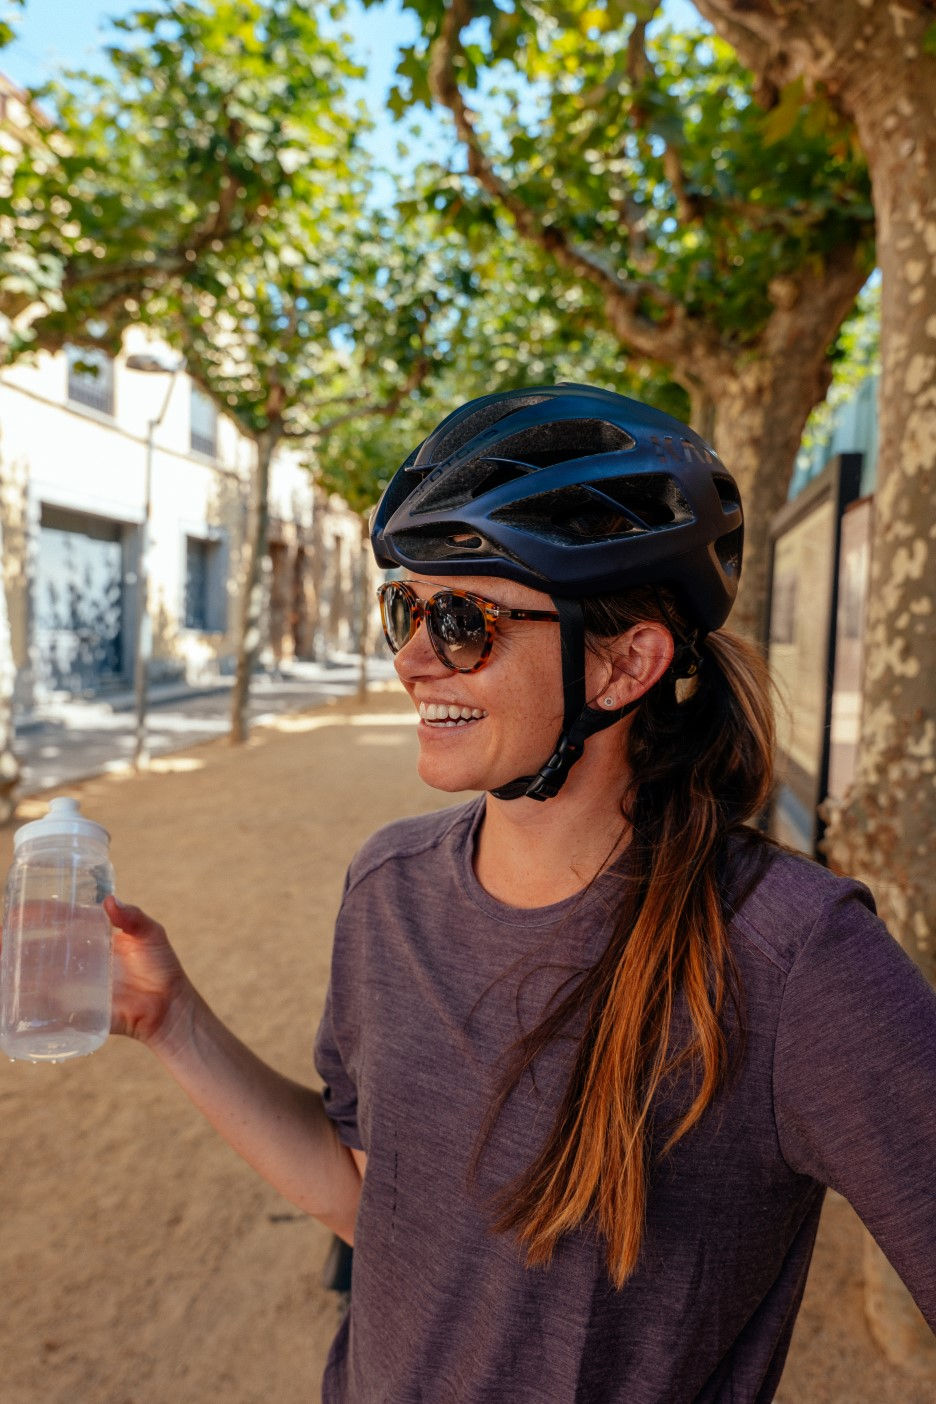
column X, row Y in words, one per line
column 805, row 545
column 854, row 568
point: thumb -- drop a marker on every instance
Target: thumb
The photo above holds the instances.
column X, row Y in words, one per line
column 130, row 919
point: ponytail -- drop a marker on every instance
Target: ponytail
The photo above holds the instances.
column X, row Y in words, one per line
column 699, row 754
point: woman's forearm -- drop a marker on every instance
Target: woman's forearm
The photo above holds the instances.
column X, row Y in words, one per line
column 277, row 1125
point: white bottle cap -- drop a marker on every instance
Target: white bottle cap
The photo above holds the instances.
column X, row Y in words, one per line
column 64, row 820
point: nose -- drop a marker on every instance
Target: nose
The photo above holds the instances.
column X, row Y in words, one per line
column 417, row 658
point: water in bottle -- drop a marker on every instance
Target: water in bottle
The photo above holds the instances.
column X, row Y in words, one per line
column 55, row 970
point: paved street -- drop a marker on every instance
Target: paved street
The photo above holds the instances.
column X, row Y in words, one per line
column 66, row 741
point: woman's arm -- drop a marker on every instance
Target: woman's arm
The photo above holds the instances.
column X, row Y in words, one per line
column 277, row 1125
column 855, row 1081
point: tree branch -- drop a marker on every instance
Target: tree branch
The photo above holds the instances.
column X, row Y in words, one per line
column 673, row 335
column 419, row 372
column 690, row 208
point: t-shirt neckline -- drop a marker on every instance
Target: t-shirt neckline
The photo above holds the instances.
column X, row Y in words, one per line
column 521, row 916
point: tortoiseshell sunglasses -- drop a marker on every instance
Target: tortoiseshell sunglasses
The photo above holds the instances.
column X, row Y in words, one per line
column 461, row 626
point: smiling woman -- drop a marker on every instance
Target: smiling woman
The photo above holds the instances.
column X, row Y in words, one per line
column 593, row 1047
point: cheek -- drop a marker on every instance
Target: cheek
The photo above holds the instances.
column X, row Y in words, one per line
column 531, row 688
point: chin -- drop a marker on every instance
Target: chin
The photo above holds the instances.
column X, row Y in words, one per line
column 448, row 780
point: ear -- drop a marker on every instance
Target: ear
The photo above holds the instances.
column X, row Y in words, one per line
column 630, row 664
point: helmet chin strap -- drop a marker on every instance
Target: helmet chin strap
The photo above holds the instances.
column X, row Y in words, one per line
column 579, row 721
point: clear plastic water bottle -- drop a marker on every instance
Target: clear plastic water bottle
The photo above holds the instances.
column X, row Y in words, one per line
column 55, row 971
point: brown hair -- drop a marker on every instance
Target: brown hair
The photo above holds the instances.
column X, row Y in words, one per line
column 700, row 757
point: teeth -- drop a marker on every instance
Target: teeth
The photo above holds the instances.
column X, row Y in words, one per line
column 449, row 713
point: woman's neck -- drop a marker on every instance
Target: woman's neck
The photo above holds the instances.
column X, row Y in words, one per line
column 531, row 853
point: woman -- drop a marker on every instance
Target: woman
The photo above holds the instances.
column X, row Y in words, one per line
column 592, row 1047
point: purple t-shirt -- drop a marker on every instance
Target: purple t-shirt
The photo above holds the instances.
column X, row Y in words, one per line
column 432, row 979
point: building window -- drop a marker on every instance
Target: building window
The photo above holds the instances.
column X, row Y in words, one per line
column 91, row 378
column 79, row 601
column 205, row 584
column 203, row 436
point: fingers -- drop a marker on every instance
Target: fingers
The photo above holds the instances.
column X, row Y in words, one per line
column 133, row 920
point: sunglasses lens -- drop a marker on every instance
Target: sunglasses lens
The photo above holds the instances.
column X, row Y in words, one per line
column 397, row 617
column 457, row 630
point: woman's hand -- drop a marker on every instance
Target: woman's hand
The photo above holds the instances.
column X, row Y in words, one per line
column 149, row 985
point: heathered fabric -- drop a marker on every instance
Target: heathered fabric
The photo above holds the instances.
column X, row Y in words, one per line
column 836, row 1088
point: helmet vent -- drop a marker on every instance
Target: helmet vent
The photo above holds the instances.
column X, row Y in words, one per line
column 447, row 489
column 542, row 445
column 502, row 470
column 430, row 543
column 654, row 499
column 727, row 492
column 602, row 510
column 728, row 550
column 466, row 427
column 572, row 516
column 464, row 542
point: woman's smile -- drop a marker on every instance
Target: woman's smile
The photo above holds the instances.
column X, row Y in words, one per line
column 448, row 714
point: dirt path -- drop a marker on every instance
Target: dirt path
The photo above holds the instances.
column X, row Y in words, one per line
column 140, row 1261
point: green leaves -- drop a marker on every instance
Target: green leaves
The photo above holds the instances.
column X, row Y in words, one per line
column 7, row 32
column 212, row 113
column 647, row 149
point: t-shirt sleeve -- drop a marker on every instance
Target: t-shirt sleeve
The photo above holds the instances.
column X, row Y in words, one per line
column 855, row 1083
column 339, row 1091
column 335, row 1042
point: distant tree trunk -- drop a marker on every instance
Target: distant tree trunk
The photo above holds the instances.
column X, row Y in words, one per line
column 758, row 442
column 364, row 618
column 9, row 765
column 252, row 592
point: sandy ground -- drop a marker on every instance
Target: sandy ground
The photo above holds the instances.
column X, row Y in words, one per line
column 140, row 1261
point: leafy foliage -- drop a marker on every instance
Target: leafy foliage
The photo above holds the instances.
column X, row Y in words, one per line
column 501, row 320
column 651, row 151
column 214, row 111
column 7, row 32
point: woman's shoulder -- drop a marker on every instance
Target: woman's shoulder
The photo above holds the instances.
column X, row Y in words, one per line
column 411, row 837
column 775, row 897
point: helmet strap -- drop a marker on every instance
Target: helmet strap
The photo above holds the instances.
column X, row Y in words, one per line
column 579, row 720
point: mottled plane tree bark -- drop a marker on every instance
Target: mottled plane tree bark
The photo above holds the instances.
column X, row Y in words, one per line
column 876, row 60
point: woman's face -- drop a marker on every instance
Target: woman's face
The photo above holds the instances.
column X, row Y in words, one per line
column 509, row 712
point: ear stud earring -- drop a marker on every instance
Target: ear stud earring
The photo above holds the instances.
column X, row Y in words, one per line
column 609, row 701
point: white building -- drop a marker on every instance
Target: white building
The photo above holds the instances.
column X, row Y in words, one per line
column 74, row 451
column 73, row 468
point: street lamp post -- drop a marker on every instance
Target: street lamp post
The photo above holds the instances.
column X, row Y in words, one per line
column 152, row 365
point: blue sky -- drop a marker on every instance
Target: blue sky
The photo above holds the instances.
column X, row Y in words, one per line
column 57, row 34
column 53, row 34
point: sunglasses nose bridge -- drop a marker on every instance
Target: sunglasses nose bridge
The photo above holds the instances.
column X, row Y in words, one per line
column 418, row 651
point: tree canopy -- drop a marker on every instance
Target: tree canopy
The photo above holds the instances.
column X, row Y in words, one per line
column 206, row 117
column 722, row 242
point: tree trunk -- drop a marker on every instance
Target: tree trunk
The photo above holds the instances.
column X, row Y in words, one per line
column 254, row 583
column 9, row 765
column 885, row 830
column 364, row 616
column 762, row 401
column 875, row 61
column 757, row 435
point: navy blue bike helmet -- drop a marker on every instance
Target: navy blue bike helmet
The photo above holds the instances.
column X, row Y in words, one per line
column 575, row 491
